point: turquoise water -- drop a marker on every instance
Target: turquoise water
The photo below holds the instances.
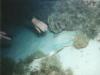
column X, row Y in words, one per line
column 26, row 42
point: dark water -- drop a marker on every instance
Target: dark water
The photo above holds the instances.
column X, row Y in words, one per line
column 16, row 21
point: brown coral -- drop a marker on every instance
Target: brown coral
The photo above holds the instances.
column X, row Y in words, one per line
column 81, row 41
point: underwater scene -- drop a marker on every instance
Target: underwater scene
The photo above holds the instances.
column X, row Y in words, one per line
column 50, row 37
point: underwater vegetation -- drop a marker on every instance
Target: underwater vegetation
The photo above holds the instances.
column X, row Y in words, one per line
column 11, row 67
column 7, row 66
column 69, row 72
column 20, row 68
column 52, row 62
column 51, row 66
column 75, row 15
column 35, row 55
column 48, row 66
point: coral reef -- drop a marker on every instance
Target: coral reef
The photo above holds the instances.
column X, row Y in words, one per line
column 9, row 66
column 69, row 71
column 50, row 66
column 75, row 15
column 21, row 68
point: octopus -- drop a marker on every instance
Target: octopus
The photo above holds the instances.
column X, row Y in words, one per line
column 39, row 25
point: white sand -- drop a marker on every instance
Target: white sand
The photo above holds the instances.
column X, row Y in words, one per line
column 84, row 61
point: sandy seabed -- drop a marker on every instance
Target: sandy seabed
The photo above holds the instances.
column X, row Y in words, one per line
column 84, row 61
